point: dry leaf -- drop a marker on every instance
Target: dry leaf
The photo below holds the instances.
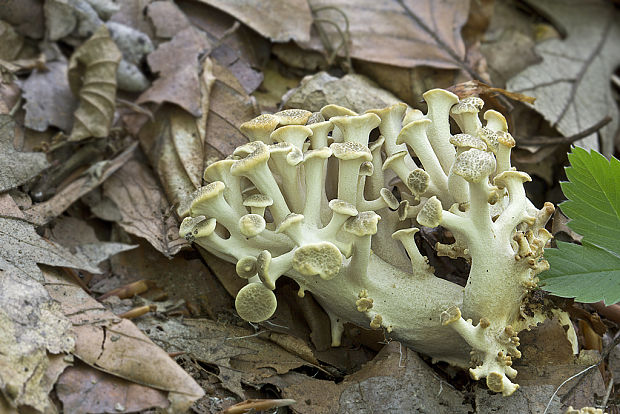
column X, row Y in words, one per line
column 132, row 13
column 70, row 17
column 177, row 63
column 237, row 352
column 17, row 167
column 402, row 33
column 49, row 99
column 25, row 15
column 167, row 18
column 118, row 347
column 42, row 213
column 83, row 389
column 92, row 76
column 144, row 210
column 11, row 43
column 280, row 20
column 396, row 381
column 572, row 84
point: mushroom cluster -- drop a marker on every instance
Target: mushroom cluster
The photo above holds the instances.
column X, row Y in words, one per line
column 313, row 198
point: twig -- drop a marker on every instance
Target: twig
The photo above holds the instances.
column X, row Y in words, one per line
column 542, row 140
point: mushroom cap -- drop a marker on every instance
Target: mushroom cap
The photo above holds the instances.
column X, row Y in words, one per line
column 467, row 141
column 316, row 118
column 471, row 104
column 364, row 224
column 412, row 115
column 418, row 181
column 365, row 123
column 263, row 262
column 502, row 179
column 256, row 153
column 342, row 207
column 441, row 95
column 403, row 208
column 389, row 198
column 255, row 303
column 246, row 267
column 398, row 109
column 389, row 161
column 196, row 227
column 204, row 195
column 495, row 120
column 260, row 127
column 331, row 110
column 366, row 168
column 292, row 134
column 431, row 213
column 474, row 165
column 350, row 151
column 258, row 200
column 450, row 315
column 293, row 116
column 414, row 129
column 290, row 220
column 323, row 259
column 251, row 225
column 317, row 153
column 405, row 233
column 215, row 170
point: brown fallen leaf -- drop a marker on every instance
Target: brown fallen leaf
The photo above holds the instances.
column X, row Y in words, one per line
column 238, row 353
column 92, row 77
column 49, row 99
column 143, row 207
column 397, row 380
column 572, row 82
column 478, row 88
column 17, row 167
column 11, row 43
column 400, row 32
column 167, row 19
column 42, row 213
column 116, row 346
column 25, row 15
column 84, row 389
column 280, row 21
column 248, row 406
column 177, row 63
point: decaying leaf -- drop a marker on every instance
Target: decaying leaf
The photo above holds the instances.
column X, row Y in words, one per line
column 49, row 99
column 92, row 77
column 11, row 42
column 572, row 84
column 25, row 15
column 42, row 213
column 17, row 167
column 400, row 32
column 280, row 21
column 145, row 212
column 118, row 347
column 177, row 63
column 84, row 389
column 237, row 352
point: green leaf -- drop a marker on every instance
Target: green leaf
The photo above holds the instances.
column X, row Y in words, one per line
column 590, row 272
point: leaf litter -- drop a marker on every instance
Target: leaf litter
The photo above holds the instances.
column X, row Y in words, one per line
column 178, row 79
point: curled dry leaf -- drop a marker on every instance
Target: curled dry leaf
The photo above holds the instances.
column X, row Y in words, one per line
column 92, row 77
column 144, row 210
column 17, row 167
column 118, row 347
column 571, row 84
column 280, row 20
column 179, row 68
column 49, row 99
column 481, row 89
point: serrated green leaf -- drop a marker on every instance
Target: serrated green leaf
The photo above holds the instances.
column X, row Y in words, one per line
column 593, row 194
column 590, row 272
column 587, row 273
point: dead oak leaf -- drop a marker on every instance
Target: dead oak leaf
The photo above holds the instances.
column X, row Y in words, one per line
column 280, row 20
column 17, row 167
column 92, row 77
column 572, row 83
column 177, row 63
column 143, row 207
column 403, row 33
